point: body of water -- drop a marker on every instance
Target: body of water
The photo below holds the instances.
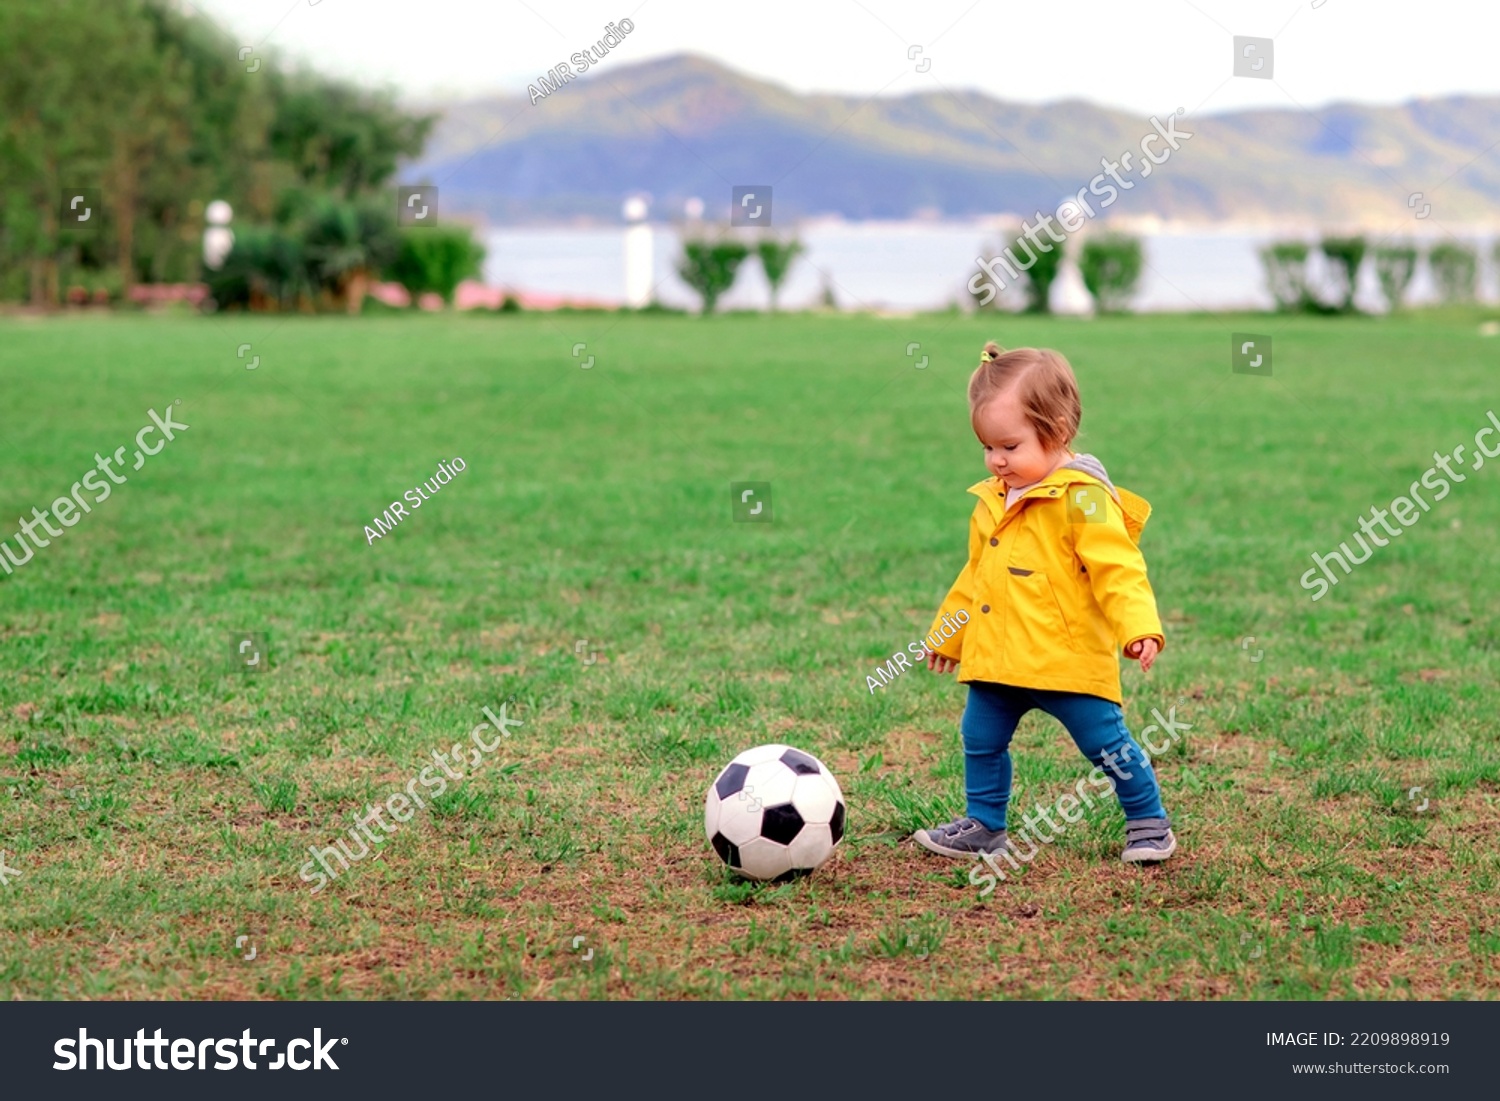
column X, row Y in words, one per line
column 910, row 266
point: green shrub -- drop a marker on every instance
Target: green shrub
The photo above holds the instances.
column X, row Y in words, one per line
column 1111, row 268
column 1286, row 274
column 324, row 249
column 1454, row 267
column 1394, row 265
column 1040, row 277
column 436, row 260
column 264, row 270
column 776, row 260
column 1345, row 254
column 710, row 267
column 346, row 244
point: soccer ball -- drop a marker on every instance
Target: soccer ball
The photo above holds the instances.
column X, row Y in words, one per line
column 774, row 810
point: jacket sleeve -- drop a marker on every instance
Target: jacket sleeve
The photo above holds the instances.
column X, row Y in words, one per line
column 1117, row 576
column 961, row 596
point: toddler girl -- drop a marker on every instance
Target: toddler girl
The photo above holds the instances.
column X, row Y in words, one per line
column 1054, row 585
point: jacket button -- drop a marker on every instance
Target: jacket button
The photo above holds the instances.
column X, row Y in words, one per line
column 994, row 542
column 984, row 608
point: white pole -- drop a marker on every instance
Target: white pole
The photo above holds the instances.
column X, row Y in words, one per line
column 1068, row 294
column 638, row 253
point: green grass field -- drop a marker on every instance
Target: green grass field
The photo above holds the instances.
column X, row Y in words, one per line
column 158, row 802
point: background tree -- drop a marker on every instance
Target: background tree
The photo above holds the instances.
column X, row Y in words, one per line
column 436, row 260
column 54, row 127
column 346, row 244
column 133, row 98
column 340, row 137
column 1345, row 254
column 1040, row 277
column 1394, row 265
column 1286, row 274
column 221, row 115
column 152, row 149
column 144, row 100
column 1454, row 267
column 776, row 259
column 337, row 146
column 1111, row 268
column 710, row 267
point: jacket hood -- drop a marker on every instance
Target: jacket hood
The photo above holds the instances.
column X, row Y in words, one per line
column 1136, row 509
column 1090, row 465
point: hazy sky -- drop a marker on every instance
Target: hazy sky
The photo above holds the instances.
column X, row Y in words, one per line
column 1143, row 55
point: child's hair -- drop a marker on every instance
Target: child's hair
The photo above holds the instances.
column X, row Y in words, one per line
column 1045, row 386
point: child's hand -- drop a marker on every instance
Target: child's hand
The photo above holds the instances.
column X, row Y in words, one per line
column 1146, row 650
column 939, row 664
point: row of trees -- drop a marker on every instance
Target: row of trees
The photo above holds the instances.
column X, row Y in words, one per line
column 1454, row 266
column 154, row 109
column 1110, row 265
column 710, row 266
column 1111, row 269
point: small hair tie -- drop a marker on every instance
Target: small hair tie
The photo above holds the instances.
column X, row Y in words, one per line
column 985, row 357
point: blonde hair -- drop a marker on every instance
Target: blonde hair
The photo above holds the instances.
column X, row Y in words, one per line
column 1044, row 384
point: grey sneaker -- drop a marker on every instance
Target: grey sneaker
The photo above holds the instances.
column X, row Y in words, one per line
column 963, row 837
column 1148, row 840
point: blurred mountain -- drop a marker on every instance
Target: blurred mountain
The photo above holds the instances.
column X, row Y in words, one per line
column 684, row 126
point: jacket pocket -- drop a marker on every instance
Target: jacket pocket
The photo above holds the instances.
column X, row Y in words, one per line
column 1037, row 612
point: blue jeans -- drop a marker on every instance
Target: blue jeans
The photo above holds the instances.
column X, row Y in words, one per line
column 1097, row 726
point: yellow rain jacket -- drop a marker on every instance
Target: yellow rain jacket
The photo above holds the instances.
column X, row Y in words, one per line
column 1054, row 588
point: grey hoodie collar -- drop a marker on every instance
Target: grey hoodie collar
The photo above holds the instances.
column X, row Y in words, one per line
column 1091, row 466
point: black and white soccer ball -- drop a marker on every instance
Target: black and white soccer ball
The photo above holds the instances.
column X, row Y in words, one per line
column 774, row 810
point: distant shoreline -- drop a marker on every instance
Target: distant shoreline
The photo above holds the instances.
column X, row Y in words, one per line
column 905, row 266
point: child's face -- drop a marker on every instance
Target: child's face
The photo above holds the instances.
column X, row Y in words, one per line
column 1011, row 448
